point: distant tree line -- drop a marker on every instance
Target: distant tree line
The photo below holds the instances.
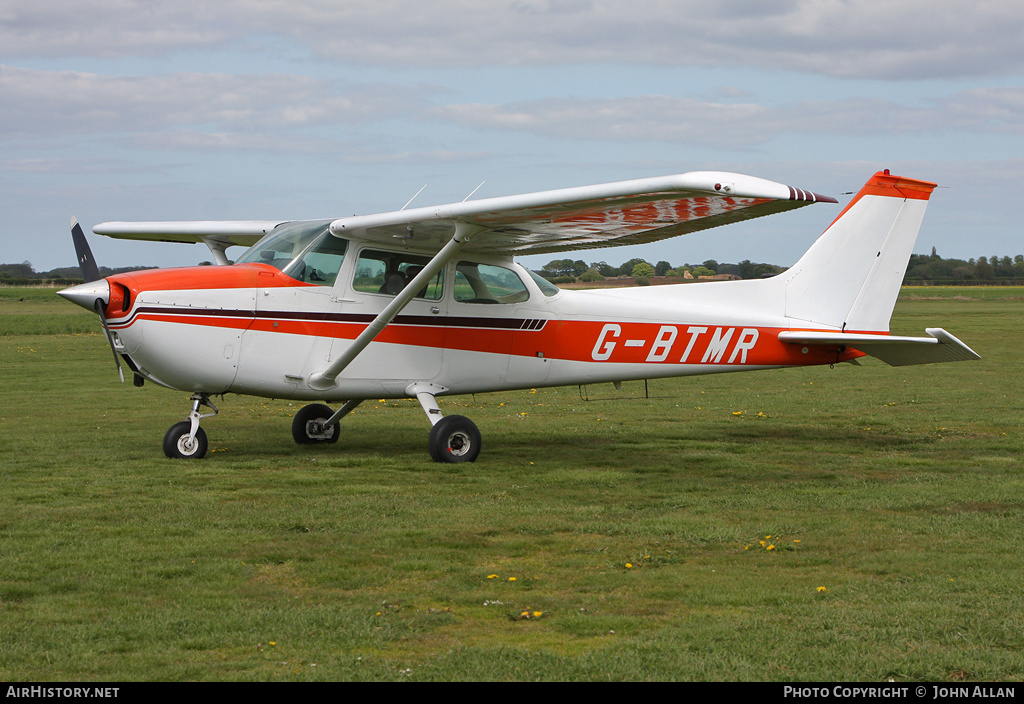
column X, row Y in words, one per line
column 24, row 275
column 564, row 271
column 933, row 269
column 923, row 269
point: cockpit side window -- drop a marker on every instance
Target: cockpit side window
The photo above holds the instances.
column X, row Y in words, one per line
column 486, row 283
column 390, row 272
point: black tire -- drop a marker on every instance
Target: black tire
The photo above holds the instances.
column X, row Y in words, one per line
column 177, row 446
column 307, row 426
column 454, row 439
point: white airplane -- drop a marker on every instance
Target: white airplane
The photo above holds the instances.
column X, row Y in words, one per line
column 428, row 302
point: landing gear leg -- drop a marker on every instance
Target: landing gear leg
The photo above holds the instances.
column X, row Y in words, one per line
column 186, row 440
column 452, row 438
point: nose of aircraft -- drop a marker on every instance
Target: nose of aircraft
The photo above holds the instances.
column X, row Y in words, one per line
column 85, row 295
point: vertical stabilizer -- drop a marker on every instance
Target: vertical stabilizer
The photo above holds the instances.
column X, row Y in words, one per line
column 850, row 277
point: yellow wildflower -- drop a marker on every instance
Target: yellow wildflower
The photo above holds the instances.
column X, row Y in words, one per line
column 822, row 589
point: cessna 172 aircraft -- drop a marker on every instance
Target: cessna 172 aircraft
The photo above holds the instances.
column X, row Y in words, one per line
column 428, row 302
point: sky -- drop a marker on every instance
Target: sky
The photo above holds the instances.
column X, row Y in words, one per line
column 291, row 109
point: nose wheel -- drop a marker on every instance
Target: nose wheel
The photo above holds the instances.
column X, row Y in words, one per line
column 181, row 444
column 186, row 440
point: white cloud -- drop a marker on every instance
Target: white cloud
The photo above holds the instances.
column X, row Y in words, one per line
column 68, row 102
column 685, row 120
column 851, row 38
column 287, row 113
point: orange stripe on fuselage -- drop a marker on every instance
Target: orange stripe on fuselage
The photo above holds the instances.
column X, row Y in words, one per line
column 733, row 346
column 240, row 323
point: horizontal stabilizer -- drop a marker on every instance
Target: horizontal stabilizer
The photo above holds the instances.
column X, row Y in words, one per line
column 891, row 349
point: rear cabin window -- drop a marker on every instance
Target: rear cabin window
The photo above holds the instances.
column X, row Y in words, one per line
column 390, row 272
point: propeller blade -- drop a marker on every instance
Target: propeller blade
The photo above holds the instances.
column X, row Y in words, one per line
column 110, row 337
column 95, row 292
column 90, row 272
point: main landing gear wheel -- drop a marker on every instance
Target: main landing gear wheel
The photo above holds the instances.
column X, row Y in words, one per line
column 454, row 439
column 308, row 425
column 178, row 446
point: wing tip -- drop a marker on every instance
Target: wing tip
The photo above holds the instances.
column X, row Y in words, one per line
column 802, row 195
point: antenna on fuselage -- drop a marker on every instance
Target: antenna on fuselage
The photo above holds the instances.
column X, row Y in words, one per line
column 414, row 198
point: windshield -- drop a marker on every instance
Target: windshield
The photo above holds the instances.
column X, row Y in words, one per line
column 546, row 287
column 305, row 251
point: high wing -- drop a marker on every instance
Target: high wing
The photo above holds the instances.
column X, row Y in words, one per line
column 232, row 232
column 218, row 235
column 605, row 215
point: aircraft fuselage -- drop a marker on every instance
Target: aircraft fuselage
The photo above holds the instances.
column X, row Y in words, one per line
column 252, row 329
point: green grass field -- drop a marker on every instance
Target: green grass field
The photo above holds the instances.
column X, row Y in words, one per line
column 848, row 524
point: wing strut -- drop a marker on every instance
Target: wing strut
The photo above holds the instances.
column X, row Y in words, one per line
column 327, row 379
column 217, row 248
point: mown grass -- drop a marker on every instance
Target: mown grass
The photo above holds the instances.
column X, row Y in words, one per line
column 632, row 526
column 39, row 311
